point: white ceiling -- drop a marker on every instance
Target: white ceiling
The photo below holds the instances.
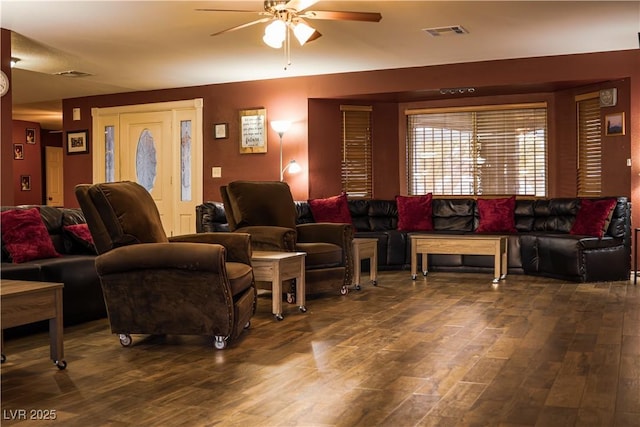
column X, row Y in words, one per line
column 145, row 45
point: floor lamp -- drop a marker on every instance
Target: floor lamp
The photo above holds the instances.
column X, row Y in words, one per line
column 281, row 126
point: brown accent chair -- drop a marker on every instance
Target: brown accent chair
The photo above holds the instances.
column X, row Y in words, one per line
column 266, row 210
column 157, row 285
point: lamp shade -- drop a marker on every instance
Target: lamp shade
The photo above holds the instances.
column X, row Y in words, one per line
column 303, row 32
column 280, row 126
column 275, row 34
column 294, row 167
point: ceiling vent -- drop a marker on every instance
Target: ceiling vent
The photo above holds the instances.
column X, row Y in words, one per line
column 72, row 73
column 443, row 31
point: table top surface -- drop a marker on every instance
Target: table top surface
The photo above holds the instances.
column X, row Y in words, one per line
column 364, row 239
column 16, row 287
column 458, row 236
column 275, row 255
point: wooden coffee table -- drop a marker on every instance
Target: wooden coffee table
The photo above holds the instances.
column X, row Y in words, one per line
column 364, row 248
column 26, row 302
column 275, row 267
column 466, row 244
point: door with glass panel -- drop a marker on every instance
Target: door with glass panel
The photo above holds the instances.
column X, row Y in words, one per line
column 159, row 148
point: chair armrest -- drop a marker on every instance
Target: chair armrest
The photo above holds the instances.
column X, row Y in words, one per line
column 238, row 245
column 338, row 234
column 271, row 238
column 151, row 256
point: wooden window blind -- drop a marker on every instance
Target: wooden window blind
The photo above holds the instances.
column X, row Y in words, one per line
column 496, row 150
column 589, row 145
column 357, row 168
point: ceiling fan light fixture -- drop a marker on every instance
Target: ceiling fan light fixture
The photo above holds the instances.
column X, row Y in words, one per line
column 275, row 33
column 303, row 32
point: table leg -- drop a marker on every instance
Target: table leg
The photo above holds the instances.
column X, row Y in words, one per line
column 505, row 259
column 276, row 293
column 373, row 267
column 301, row 287
column 56, row 331
column 413, row 259
column 357, row 266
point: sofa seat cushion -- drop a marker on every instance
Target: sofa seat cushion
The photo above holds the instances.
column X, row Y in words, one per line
column 26, row 271
column 240, row 277
column 320, row 255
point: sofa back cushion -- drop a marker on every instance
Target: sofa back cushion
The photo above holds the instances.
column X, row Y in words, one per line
column 454, row 214
column 555, row 215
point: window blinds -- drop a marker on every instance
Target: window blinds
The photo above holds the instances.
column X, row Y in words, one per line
column 356, row 151
column 498, row 150
column 589, row 146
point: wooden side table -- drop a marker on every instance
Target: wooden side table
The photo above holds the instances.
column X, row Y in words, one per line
column 26, row 302
column 365, row 248
column 275, row 267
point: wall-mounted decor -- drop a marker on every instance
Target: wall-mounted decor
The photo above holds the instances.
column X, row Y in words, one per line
column 614, row 124
column 253, row 131
column 18, row 152
column 30, row 136
column 78, row 142
column 221, row 131
column 608, row 97
column 25, row 182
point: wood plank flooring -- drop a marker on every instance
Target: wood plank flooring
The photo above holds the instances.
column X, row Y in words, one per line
column 447, row 350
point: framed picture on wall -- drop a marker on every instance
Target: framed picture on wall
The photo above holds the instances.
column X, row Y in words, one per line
column 220, row 130
column 614, row 124
column 78, row 142
column 25, row 182
column 18, row 152
column 30, row 136
column 253, row 131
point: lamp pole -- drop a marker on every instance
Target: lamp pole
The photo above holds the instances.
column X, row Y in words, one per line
column 280, row 126
column 281, row 170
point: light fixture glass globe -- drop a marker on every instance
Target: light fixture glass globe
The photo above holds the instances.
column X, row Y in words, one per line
column 294, row 167
column 275, row 34
column 303, row 32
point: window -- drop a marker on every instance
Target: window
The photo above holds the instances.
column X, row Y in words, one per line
column 356, row 151
column 589, row 145
column 493, row 150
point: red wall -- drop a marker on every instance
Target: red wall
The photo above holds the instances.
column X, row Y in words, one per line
column 313, row 102
column 6, row 125
column 30, row 165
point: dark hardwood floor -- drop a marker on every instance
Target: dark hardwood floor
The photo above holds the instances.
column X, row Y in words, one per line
column 447, row 350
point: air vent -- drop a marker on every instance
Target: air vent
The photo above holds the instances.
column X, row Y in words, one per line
column 443, row 31
column 72, row 73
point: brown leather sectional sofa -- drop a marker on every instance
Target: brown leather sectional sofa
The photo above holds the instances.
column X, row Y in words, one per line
column 542, row 245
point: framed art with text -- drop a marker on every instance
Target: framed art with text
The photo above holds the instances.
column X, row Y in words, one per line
column 253, row 131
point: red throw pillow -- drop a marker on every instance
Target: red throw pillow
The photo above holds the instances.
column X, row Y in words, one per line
column 25, row 236
column 497, row 215
column 592, row 217
column 331, row 209
column 80, row 234
column 415, row 213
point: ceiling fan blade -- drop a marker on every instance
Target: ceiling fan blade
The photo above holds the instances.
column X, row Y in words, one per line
column 343, row 16
column 300, row 5
column 228, row 10
column 239, row 27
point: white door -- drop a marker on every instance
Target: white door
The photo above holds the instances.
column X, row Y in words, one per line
column 146, row 158
column 158, row 146
column 54, row 176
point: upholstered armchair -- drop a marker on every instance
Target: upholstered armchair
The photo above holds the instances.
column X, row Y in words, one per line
column 199, row 284
column 266, row 210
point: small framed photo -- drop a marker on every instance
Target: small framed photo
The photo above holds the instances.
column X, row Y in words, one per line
column 25, row 182
column 614, row 124
column 18, row 152
column 221, row 130
column 78, row 142
column 30, row 136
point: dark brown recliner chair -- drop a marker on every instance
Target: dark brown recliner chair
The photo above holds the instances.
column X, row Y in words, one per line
column 157, row 285
column 266, row 210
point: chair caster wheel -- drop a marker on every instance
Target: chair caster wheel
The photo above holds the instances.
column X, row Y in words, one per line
column 61, row 364
column 414, row 276
column 278, row 317
column 247, row 325
column 3, row 358
column 303, row 309
column 374, row 282
column 344, row 290
column 358, row 287
column 291, row 298
column 220, row 343
column 125, row 340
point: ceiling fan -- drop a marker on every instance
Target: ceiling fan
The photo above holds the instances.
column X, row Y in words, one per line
column 290, row 15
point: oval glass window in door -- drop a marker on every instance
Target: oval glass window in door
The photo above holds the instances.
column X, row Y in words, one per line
column 146, row 161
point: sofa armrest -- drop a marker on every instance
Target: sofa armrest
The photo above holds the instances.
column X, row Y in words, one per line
column 271, row 238
column 238, row 245
column 338, row 234
column 150, row 256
